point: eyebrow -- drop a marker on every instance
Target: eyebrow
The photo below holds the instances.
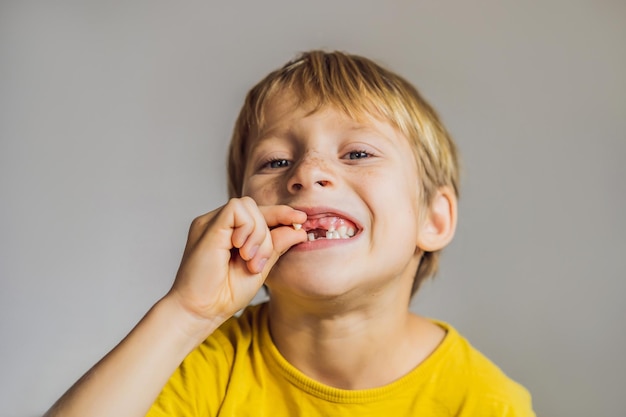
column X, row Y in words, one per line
column 266, row 135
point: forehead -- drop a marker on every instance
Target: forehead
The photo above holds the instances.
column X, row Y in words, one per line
column 285, row 109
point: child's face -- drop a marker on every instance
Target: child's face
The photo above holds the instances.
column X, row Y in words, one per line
column 361, row 175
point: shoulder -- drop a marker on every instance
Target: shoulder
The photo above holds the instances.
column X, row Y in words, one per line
column 479, row 383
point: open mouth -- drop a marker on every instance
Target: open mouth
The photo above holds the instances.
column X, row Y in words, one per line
column 328, row 227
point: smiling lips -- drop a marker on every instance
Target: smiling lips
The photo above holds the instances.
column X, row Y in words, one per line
column 327, row 227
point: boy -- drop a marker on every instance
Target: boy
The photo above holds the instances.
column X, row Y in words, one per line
column 344, row 189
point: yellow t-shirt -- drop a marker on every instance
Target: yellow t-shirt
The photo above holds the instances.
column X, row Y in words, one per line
column 238, row 371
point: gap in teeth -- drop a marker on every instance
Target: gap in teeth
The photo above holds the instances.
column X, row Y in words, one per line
column 343, row 232
column 329, row 227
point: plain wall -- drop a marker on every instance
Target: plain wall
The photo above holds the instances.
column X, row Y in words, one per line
column 114, row 122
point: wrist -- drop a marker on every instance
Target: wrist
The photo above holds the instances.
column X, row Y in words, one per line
column 191, row 328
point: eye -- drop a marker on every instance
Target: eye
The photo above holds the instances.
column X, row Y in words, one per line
column 277, row 163
column 358, row 155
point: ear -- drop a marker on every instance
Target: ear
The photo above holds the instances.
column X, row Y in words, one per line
column 439, row 221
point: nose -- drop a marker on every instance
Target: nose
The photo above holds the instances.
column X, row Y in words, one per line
column 312, row 172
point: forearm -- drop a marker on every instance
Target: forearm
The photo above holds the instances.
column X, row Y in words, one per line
column 212, row 283
column 128, row 379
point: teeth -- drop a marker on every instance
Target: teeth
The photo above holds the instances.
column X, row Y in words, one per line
column 343, row 232
column 333, row 234
column 297, row 226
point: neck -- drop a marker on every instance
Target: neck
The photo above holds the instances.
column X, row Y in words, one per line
column 355, row 347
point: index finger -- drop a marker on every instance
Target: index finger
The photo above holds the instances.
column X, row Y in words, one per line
column 282, row 215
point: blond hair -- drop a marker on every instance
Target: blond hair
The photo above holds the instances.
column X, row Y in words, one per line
column 359, row 87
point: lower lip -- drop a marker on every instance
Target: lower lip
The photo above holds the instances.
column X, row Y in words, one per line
column 322, row 244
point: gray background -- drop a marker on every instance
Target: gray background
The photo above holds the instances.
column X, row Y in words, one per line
column 114, row 121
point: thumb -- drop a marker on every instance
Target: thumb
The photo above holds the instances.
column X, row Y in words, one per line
column 283, row 238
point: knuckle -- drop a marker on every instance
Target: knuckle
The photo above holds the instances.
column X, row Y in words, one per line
column 200, row 223
column 238, row 203
column 197, row 222
column 233, row 201
column 247, row 201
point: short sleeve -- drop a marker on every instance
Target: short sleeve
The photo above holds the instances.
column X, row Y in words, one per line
column 198, row 386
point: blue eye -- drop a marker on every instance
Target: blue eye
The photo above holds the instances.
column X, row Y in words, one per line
column 278, row 163
column 358, row 155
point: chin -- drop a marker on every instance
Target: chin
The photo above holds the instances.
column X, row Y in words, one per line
column 314, row 284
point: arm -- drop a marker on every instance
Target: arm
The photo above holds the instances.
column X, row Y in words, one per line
column 228, row 255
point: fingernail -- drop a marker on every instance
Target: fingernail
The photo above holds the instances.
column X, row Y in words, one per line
column 262, row 263
column 253, row 251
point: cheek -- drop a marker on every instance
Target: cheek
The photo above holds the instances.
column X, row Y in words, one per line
column 397, row 202
column 264, row 194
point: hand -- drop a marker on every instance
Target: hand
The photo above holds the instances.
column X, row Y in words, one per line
column 229, row 253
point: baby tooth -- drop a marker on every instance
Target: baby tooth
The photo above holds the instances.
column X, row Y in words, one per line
column 336, row 235
column 351, row 232
column 311, row 237
column 297, row 226
column 343, row 230
column 329, row 234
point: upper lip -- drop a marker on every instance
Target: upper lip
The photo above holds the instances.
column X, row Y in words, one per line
column 319, row 212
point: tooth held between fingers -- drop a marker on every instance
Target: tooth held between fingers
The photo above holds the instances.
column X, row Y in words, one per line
column 297, row 226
